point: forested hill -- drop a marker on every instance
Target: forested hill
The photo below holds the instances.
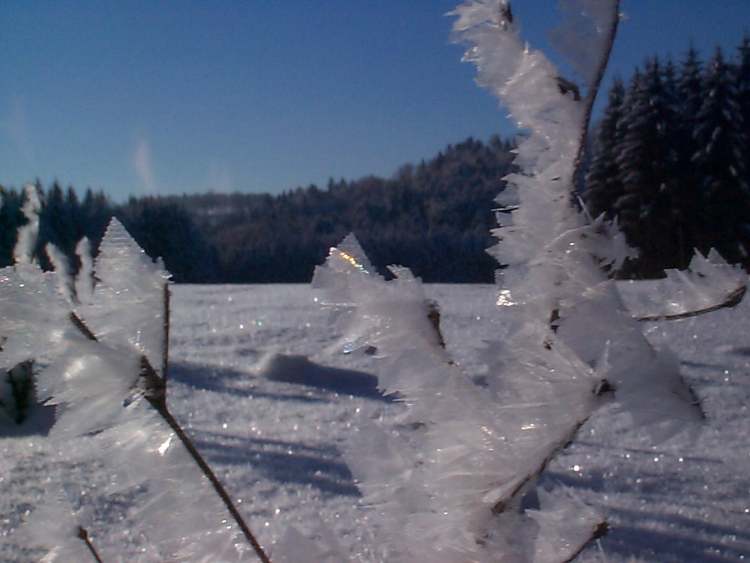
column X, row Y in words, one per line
column 669, row 159
column 434, row 217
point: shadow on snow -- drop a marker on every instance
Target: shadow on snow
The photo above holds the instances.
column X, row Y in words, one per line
column 282, row 461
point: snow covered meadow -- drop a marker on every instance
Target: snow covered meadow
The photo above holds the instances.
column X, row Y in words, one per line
column 541, row 420
column 272, row 408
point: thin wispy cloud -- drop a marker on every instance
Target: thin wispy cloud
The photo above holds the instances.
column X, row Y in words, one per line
column 220, row 176
column 15, row 127
column 143, row 165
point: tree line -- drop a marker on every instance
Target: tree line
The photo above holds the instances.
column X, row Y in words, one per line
column 434, row 217
column 670, row 159
column 165, row 229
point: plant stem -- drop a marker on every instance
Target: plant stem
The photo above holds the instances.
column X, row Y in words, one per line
column 161, row 407
column 602, row 388
column 502, row 504
column 83, row 535
column 155, row 394
column 165, row 350
column 732, row 299
column 601, row 530
column 592, row 92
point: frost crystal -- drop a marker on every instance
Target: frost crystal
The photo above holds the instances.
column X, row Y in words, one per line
column 448, row 475
column 92, row 364
column 708, row 283
column 64, row 275
column 128, row 303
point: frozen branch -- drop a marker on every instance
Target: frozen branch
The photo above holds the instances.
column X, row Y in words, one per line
column 593, row 90
column 83, row 535
column 155, row 394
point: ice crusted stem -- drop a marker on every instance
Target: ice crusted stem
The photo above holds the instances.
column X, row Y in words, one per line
column 165, row 351
column 594, row 90
column 599, row 531
column 601, row 389
column 732, row 300
column 83, row 535
column 155, row 394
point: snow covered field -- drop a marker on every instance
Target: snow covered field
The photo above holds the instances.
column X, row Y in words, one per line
column 272, row 408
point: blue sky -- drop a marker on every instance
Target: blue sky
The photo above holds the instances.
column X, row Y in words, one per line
column 144, row 97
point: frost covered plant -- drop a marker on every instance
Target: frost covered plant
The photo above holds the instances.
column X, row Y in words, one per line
column 453, row 477
column 17, row 387
column 102, row 356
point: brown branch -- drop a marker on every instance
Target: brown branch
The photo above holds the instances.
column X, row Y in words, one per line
column 600, row 389
column 599, row 531
column 155, row 394
column 81, row 326
column 211, row 476
column 433, row 315
column 504, row 503
column 732, row 300
column 165, row 350
column 83, row 535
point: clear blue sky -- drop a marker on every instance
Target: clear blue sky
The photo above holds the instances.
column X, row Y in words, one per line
column 167, row 97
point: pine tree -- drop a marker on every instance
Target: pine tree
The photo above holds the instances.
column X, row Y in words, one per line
column 603, row 186
column 675, row 209
column 645, row 161
column 689, row 94
column 720, row 164
column 742, row 81
column 10, row 219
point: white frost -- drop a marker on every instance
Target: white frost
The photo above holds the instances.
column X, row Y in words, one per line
column 23, row 253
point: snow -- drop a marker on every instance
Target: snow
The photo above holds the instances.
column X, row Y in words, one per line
column 364, row 432
column 256, row 382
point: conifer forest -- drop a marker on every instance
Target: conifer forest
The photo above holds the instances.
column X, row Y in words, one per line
column 669, row 158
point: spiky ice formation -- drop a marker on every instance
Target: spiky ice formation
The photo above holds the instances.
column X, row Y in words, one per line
column 127, row 307
column 106, row 422
column 446, row 477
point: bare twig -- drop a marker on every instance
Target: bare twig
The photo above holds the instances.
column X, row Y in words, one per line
column 83, row 535
column 155, row 394
column 599, row 531
column 433, row 315
column 600, row 389
column 165, row 350
column 508, row 500
column 732, row 300
column 81, row 326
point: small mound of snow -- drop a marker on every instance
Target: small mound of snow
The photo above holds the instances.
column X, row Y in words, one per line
column 300, row 370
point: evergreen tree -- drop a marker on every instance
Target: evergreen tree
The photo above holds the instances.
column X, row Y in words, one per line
column 645, row 161
column 57, row 221
column 720, row 164
column 689, row 94
column 603, row 186
column 742, row 81
column 675, row 211
column 10, row 219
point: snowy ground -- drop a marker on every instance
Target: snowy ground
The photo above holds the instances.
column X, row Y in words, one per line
column 272, row 409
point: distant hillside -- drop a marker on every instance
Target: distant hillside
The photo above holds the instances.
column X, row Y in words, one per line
column 434, row 217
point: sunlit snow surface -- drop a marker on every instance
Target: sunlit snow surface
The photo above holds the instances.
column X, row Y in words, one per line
column 254, row 381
